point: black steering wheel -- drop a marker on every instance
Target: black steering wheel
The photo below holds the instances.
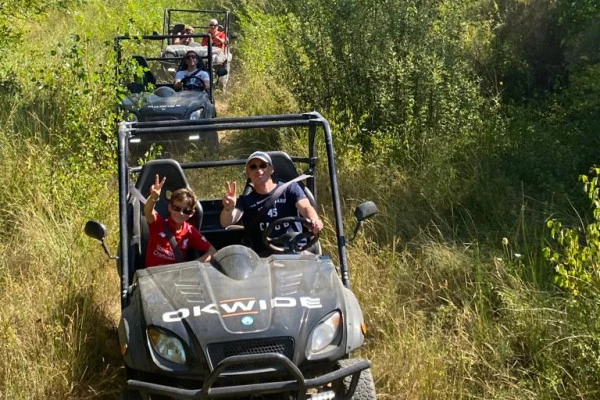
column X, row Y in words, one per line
column 197, row 85
column 289, row 242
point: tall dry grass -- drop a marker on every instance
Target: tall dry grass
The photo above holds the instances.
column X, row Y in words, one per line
column 450, row 316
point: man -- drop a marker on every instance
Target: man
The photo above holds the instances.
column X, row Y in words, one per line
column 217, row 37
column 249, row 208
column 191, row 78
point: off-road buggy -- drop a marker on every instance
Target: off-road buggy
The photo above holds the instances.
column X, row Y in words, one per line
column 151, row 95
column 277, row 327
column 174, row 22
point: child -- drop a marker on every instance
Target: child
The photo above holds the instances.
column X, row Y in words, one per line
column 187, row 30
column 181, row 207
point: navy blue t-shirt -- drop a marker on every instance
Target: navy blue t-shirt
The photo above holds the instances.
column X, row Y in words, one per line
column 285, row 206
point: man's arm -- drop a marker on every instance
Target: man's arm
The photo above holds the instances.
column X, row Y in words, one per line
column 229, row 217
column 205, row 80
column 308, row 211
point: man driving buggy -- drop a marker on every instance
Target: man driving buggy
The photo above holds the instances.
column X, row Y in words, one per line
column 249, row 208
column 192, row 77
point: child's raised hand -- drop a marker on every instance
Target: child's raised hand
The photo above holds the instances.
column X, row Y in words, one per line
column 157, row 187
column 230, row 197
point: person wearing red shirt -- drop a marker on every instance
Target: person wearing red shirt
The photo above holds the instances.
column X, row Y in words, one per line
column 181, row 208
column 218, row 38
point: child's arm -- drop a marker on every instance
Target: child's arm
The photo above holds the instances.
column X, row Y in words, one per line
column 206, row 257
column 154, row 197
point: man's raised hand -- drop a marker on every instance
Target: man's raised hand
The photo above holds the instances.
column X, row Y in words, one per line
column 230, row 196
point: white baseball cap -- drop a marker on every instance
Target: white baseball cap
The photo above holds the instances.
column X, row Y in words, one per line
column 261, row 155
column 213, row 22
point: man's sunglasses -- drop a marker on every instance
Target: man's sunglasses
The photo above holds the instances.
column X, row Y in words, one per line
column 186, row 211
column 255, row 166
column 191, row 56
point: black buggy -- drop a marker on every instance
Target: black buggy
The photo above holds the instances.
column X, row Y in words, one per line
column 149, row 76
column 280, row 327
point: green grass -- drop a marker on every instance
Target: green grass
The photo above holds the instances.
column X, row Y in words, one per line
column 453, row 312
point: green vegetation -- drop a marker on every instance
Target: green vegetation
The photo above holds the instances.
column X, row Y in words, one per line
column 468, row 122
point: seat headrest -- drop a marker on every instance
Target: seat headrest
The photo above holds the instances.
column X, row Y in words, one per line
column 164, row 168
column 284, row 168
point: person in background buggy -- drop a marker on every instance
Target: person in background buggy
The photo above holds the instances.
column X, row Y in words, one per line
column 193, row 77
column 217, row 37
column 187, row 30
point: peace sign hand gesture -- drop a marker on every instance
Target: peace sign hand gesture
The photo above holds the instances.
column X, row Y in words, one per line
column 157, row 187
column 230, row 196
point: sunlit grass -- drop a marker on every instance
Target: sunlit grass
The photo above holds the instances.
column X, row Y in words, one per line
column 452, row 312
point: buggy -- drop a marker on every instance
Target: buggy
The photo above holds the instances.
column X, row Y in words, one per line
column 242, row 326
column 174, row 22
column 150, row 89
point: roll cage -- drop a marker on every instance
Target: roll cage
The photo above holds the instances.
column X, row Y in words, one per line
column 314, row 123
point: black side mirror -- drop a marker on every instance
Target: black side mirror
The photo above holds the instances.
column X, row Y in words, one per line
column 221, row 71
column 364, row 211
column 95, row 230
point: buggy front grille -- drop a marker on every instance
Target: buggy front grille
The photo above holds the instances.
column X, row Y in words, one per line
column 220, row 351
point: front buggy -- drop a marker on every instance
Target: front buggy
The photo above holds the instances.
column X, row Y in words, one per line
column 278, row 327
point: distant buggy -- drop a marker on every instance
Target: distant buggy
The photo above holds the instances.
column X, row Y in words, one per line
column 151, row 97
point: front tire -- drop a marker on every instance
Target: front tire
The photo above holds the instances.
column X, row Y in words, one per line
column 365, row 389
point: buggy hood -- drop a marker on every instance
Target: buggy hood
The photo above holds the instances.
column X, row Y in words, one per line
column 166, row 103
column 285, row 295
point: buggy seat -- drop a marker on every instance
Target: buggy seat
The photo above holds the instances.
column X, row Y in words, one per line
column 142, row 83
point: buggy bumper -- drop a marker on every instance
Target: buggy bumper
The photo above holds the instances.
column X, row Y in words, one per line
column 296, row 383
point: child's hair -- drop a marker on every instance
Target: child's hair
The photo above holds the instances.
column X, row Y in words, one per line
column 188, row 29
column 186, row 195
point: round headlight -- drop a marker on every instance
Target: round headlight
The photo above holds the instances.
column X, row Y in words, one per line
column 167, row 346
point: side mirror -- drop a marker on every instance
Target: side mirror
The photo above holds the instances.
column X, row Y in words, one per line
column 234, row 35
column 96, row 230
column 221, row 72
column 364, row 211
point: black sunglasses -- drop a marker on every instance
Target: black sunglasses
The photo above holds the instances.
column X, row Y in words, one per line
column 255, row 166
column 186, row 211
column 191, row 56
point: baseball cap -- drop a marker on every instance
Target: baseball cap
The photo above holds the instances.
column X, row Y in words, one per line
column 213, row 22
column 261, row 156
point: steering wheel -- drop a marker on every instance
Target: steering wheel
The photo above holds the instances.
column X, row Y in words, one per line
column 185, row 83
column 289, row 242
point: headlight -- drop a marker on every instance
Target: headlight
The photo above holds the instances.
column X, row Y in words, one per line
column 198, row 114
column 326, row 332
column 131, row 117
column 169, row 347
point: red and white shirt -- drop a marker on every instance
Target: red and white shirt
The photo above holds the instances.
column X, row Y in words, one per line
column 159, row 250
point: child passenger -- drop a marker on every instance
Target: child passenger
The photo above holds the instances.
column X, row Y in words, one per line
column 181, row 208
